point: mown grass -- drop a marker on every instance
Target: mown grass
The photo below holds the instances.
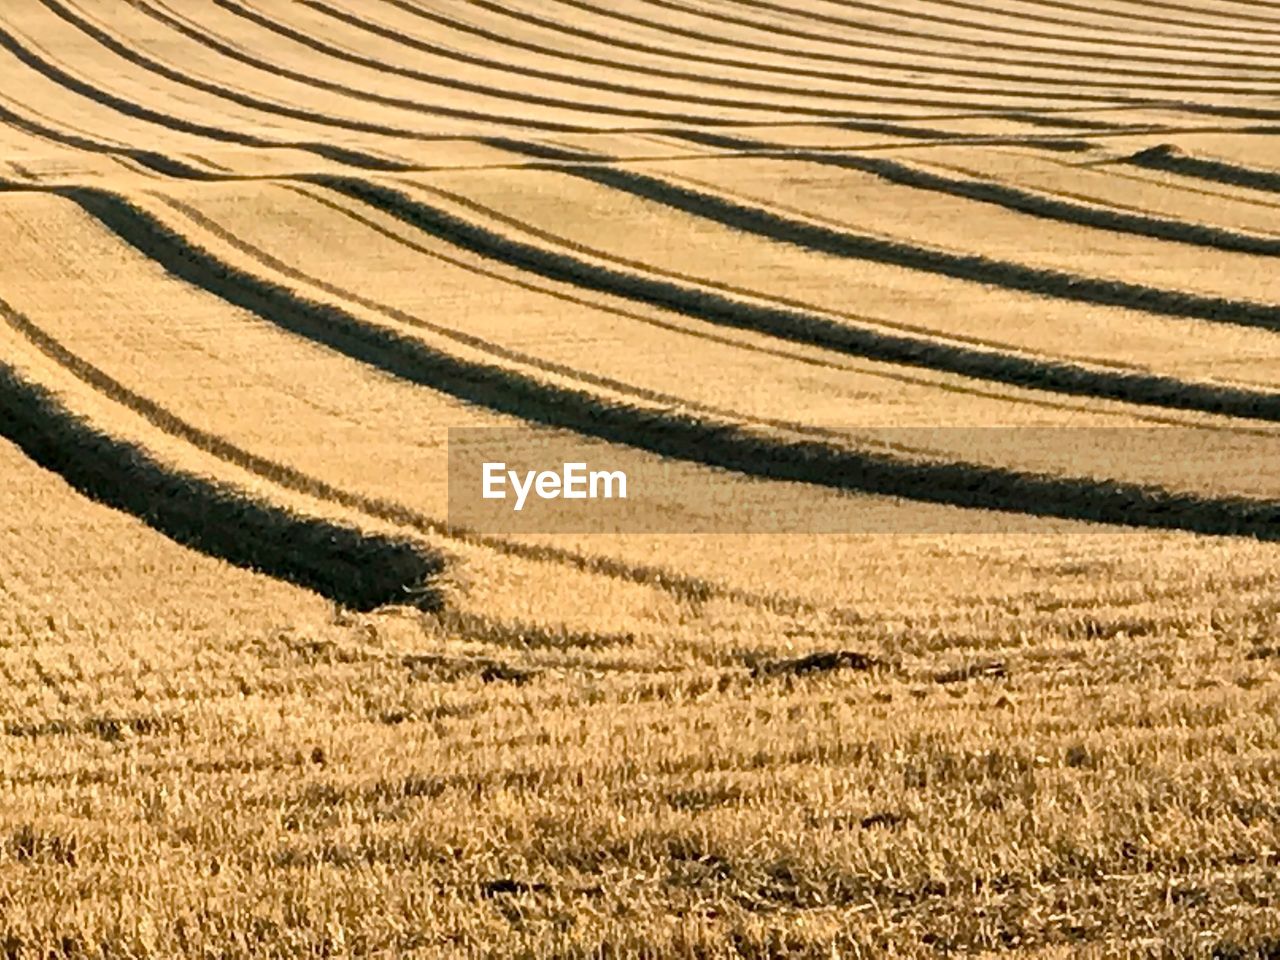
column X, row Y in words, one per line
column 1024, row 770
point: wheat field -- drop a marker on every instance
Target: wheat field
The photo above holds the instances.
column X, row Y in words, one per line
column 999, row 274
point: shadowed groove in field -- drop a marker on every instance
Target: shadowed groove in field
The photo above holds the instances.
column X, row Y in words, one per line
column 1041, row 205
column 435, row 109
column 1049, row 207
column 1169, row 159
column 1128, row 18
column 347, row 156
column 358, row 570
column 583, row 59
column 156, row 161
column 347, row 211
column 970, row 267
column 173, row 167
column 472, row 625
column 582, row 106
column 909, row 132
column 677, row 584
column 898, row 83
column 235, row 95
column 584, row 376
column 816, row 329
column 509, row 67
column 1123, row 35
column 1128, row 55
column 674, row 435
column 913, row 52
column 917, row 15
column 781, row 69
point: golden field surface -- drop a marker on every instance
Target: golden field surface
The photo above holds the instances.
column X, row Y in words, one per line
column 1000, row 274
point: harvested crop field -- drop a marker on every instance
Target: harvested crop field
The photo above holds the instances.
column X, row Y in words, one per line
column 940, row 339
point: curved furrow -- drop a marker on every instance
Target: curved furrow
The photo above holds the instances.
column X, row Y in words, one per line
column 1050, row 207
column 234, row 95
column 581, row 59
column 585, row 377
column 740, row 146
column 542, row 239
column 1056, row 21
column 1244, row 22
column 587, row 82
column 971, row 267
column 158, row 162
column 1044, row 205
column 415, row 43
column 231, row 51
column 485, row 90
column 355, row 569
column 914, row 52
column 290, row 478
column 914, row 35
column 1239, row 15
column 711, row 443
column 801, row 326
column 51, row 71
column 916, row 15
column 1199, row 168
column 903, row 377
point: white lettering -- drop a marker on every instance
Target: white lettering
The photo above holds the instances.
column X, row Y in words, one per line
column 522, row 490
column 548, row 485
column 493, row 478
column 575, row 481
column 608, row 478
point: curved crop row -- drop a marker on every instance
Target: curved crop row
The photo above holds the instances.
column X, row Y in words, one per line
column 1128, row 18
column 1170, row 160
column 878, row 29
column 350, row 567
column 1037, row 204
column 917, row 15
column 580, row 32
column 971, row 267
column 815, row 329
column 673, row 435
column 1111, row 64
column 290, row 478
column 508, row 66
column 151, row 159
